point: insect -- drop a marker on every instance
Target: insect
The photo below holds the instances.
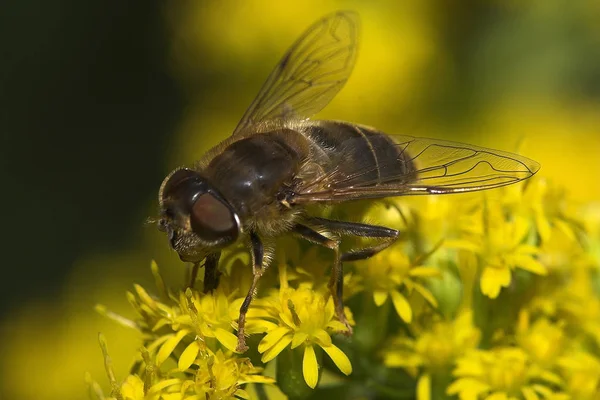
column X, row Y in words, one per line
column 255, row 185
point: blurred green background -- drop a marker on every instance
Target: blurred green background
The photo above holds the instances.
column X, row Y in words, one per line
column 99, row 100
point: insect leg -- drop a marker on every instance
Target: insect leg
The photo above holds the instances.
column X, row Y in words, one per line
column 337, row 274
column 257, row 270
column 194, row 274
column 387, row 236
column 211, row 272
column 313, row 236
column 336, row 281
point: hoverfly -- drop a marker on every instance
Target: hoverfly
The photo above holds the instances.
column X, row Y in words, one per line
column 255, row 185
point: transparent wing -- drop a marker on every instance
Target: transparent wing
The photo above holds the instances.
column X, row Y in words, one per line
column 310, row 74
column 416, row 166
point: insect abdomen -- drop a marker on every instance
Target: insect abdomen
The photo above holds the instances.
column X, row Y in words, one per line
column 358, row 155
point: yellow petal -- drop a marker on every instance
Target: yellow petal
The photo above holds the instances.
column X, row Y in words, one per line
column 336, row 326
column 497, row 396
column 242, row 394
column 299, row 338
column 467, row 388
column 144, row 296
column 161, row 322
column 322, row 337
column 146, row 309
column 339, row 358
column 310, row 368
column 402, row 306
column 529, row 393
column 160, row 284
column 520, row 229
column 424, row 387
column 461, row 244
column 188, row 356
column 206, row 330
column 551, row 377
column 169, row 345
column 259, row 326
column 528, row 249
column 544, row 391
column 185, row 386
column 254, row 312
column 529, row 264
column 403, row 359
column 133, row 388
column 287, row 319
column 493, row 279
column 227, row 339
column 425, row 272
column 379, row 297
column 159, row 386
column 255, row 379
column 184, row 319
column 565, row 228
column 157, row 342
column 272, row 338
column 427, row 295
column 543, row 226
column 329, row 309
column 469, row 367
column 277, row 348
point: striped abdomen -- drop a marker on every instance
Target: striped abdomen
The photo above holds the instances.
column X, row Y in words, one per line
column 353, row 155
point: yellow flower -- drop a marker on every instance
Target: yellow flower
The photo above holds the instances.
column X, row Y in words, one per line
column 209, row 316
column 191, row 319
column 193, row 329
column 500, row 373
column 501, row 248
column 434, row 218
column 390, row 271
column 560, row 253
column 589, row 214
column 309, row 267
column 575, row 302
column 432, row 350
column 133, row 388
column 218, row 375
column 582, row 375
column 543, row 202
column 543, row 341
column 306, row 318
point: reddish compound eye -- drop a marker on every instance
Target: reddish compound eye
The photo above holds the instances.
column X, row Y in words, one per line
column 212, row 220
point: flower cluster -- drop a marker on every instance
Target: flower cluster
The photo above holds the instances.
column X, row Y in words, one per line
column 215, row 375
column 483, row 297
column 526, row 326
column 188, row 348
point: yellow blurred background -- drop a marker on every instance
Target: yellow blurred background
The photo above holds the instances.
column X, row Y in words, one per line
column 516, row 76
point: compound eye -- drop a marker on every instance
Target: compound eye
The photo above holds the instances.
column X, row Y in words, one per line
column 212, row 220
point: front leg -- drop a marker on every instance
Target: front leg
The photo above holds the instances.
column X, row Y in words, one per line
column 258, row 252
column 211, row 272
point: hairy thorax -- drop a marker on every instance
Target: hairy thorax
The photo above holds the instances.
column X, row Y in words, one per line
column 254, row 173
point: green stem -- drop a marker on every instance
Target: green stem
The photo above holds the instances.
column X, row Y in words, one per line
column 371, row 324
column 261, row 393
